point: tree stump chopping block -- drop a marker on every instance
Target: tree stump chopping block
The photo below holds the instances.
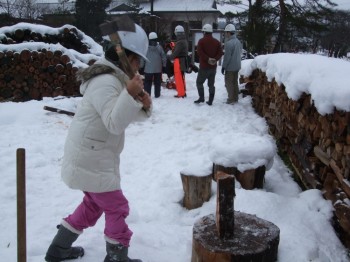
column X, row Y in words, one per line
column 197, row 190
column 254, row 240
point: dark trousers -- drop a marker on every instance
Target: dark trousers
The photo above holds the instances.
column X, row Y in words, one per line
column 155, row 78
column 203, row 75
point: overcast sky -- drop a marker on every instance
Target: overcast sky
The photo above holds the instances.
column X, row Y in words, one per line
column 343, row 4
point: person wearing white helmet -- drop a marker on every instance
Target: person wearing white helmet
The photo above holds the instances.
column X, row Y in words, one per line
column 209, row 52
column 231, row 63
column 179, row 56
column 110, row 102
column 154, row 66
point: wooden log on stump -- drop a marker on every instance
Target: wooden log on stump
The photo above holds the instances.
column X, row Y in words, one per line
column 254, row 240
column 249, row 179
column 197, row 190
column 252, row 178
column 224, row 205
column 227, row 170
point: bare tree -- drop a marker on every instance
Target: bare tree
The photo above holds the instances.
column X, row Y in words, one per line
column 9, row 7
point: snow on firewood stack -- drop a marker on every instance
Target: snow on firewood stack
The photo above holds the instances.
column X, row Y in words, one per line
column 38, row 61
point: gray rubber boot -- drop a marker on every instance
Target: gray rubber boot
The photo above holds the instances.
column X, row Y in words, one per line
column 118, row 253
column 61, row 246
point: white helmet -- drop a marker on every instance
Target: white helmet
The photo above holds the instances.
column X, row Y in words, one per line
column 136, row 42
column 230, row 28
column 152, row 35
column 207, row 28
column 179, row 30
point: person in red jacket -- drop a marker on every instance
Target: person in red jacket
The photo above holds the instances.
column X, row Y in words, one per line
column 209, row 51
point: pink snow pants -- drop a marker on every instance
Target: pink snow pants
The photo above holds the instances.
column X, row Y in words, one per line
column 116, row 209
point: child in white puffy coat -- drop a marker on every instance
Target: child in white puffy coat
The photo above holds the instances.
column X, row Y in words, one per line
column 111, row 101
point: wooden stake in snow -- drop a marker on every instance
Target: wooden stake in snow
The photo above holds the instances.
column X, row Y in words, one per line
column 21, row 207
column 59, row 111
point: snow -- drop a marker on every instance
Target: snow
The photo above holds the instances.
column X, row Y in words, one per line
column 179, row 5
column 179, row 137
column 240, row 150
column 43, row 29
column 327, row 82
column 78, row 59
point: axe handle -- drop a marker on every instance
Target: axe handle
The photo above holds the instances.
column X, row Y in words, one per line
column 123, row 58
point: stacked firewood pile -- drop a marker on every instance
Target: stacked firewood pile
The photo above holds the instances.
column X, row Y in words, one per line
column 67, row 37
column 44, row 69
column 318, row 146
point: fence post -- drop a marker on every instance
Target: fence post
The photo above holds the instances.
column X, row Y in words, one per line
column 21, row 207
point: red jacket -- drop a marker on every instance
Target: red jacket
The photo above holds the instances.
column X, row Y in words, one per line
column 207, row 47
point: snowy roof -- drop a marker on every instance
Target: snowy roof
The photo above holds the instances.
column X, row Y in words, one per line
column 181, row 6
column 225, row 8
column 52, row 1
column 123, row 8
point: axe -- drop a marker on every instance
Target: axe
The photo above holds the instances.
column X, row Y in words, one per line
column 123, row 23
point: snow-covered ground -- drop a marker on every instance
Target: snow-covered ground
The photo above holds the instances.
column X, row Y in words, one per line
column 178, row 136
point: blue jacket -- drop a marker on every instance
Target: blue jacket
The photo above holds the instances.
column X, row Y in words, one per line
column 156, row 57
column 232, row 55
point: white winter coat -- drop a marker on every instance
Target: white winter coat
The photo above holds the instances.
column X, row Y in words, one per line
column 96, row 135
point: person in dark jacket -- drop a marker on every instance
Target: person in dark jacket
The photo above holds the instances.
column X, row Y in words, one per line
column 155, row 66
column 209, row 51
column 232, row 63
column 179, row 56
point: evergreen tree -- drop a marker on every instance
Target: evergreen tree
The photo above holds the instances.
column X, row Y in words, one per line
column 337, row 38
column 259, row 27
column 299, row 15
column 89, row 15
column 280, row 25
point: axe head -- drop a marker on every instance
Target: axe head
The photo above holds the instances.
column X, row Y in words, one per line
column 122, row 23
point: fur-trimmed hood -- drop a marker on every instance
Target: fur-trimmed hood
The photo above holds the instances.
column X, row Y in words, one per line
column 100, row 67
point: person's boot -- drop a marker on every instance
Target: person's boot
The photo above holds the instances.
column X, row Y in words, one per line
column 118, row 253
column 201, row 96
column 211, row 99
column 61, row 246
column 200, row 100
